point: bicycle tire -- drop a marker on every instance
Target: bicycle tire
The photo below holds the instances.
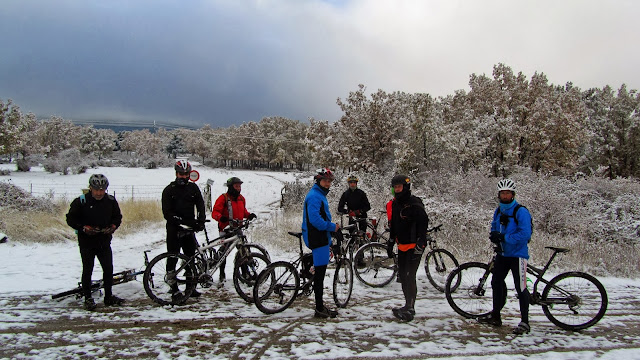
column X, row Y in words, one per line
column 156, row 281
column 276, row 288
column 578, row 300
column 343, row 283
column 372, row 265
column 257, row 248
column 469, row 298
column 245, row 273
column 438, row 264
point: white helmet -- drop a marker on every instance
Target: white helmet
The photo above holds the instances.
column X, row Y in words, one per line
column 506, row 184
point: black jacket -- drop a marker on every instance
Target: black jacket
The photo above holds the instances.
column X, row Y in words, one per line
column 180, row 201
column 354, row 200
column 97, row 213
column 409, row 220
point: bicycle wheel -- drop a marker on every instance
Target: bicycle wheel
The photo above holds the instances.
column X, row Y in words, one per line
column 276, row 287
column 383, row 237
column 574, row 300
column 438, row 264
column 170, row 287
column 245, row 272
column 473, row 297
column 257, row 248
column 373, row 266
column 343, row 283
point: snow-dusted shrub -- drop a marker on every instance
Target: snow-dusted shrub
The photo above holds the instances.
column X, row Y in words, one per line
column 13, row 197
column 23, row 165
column 5, row 172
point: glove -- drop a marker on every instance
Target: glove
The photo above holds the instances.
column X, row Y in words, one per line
column 110, row 230
column 177, row 220
column 418, row 250
column 223, row 219
column 496, row 237
column 252, row 216
column 390, row 252
column 89, row 230
column 198, row 226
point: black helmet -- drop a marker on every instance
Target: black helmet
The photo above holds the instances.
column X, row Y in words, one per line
column 400, row 179
column 324, row 173
column 98, row 182
column 352, row 178
column 233, row 180
column 182, row 166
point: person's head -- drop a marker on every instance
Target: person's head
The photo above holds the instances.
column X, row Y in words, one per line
column 183, row 168
column 400, row 184
column 324, row 177
column 234, row 186
column 352, row 180
column 506, row 191
column 98, row 185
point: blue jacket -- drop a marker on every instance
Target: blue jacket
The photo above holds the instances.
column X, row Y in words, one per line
column 516, row 237
column 315, row 206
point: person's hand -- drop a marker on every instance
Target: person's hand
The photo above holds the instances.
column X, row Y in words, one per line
column 390, row 245
column 89, row 230
column 177, row 220
column 252, row 216
column 496, row 237
column 337, row 227
column 418, row 251
column 199, row 225
column 356, row 212
column 223, row 219
column 110, row 230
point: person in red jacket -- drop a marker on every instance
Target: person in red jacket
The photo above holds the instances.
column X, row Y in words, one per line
column 230, row 205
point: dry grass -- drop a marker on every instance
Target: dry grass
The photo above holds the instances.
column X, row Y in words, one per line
column 136, row 214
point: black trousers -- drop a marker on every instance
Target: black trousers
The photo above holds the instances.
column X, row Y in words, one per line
column 176, row 240
column 318, row 285
column 105, row 257
column 408, row 265
column 518, row 268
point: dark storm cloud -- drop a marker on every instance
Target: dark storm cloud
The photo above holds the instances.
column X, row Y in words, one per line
column 224, row 62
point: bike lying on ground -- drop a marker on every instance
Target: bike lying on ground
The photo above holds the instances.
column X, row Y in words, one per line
column 374, row 267
column 118, row 278
column 170, row 278
column 572, row 300
column 278, row 285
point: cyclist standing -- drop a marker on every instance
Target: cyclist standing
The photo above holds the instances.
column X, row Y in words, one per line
column 95, row 216
column 354, row 202
column 230, row 206
column 511, row 232
column 182, row 204
column 408, row 228
column 316, row 232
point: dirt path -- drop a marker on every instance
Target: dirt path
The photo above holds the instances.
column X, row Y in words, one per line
column 218, row 325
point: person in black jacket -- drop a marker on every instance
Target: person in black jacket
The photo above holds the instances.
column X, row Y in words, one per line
column 408, row 228
column 354, row 202
column 95, row 216
column 181, row 202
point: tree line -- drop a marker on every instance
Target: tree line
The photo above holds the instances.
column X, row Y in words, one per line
column 502, row 122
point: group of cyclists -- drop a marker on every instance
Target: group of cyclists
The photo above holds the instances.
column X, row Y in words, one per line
column 96, row 216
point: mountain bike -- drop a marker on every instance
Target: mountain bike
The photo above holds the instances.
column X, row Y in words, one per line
column 118, row 278
column 571, row 300
column 174, row 287
column 278, row 285
column 374, row 267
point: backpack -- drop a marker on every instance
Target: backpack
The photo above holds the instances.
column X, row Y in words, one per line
column 515, row 219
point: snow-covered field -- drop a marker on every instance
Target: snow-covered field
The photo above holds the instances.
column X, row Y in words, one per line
column 220, row 325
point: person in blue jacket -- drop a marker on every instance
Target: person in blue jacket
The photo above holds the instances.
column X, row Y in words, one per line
column 511, row 232
column 316, row 232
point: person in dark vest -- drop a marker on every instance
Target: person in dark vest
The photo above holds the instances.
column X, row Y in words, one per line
column 408, row 228
column 354, row 202
column 182, row 204
column 96, row 216
column 316, row 233
column 230, row 206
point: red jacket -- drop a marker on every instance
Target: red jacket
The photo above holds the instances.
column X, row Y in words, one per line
column 220, row 209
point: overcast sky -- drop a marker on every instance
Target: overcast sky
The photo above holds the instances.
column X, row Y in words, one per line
column 227, row 62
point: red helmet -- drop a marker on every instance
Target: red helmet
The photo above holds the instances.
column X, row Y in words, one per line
column 324, row 173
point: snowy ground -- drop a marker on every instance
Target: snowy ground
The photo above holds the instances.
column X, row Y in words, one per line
column 220, row 325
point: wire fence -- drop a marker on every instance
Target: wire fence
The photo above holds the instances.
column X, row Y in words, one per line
column 70, row 191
